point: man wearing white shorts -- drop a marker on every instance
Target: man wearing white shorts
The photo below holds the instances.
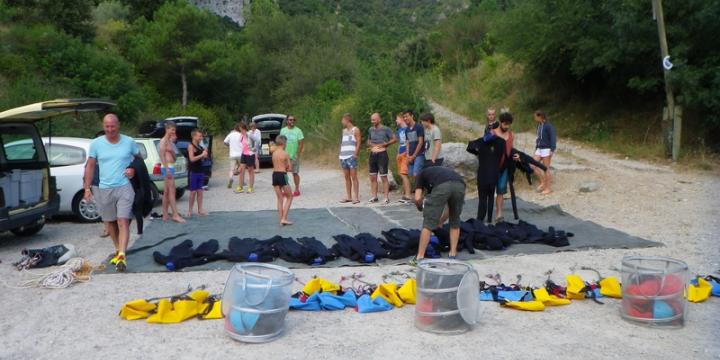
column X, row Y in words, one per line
column 545, row 146
column 113, row 153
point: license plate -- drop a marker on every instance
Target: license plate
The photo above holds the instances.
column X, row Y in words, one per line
column 265, row 149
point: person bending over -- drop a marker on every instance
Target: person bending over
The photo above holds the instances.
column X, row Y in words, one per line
column 281, row 167
column 439, row 187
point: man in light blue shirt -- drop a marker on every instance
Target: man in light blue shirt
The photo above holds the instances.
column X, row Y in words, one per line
column 113, row 154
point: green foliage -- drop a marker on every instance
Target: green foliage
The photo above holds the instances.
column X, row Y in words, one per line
column 212, row 120
column 71, row 16
column 110, row 10
column 143, row 8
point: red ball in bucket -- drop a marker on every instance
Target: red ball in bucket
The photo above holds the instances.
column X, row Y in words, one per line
column 638, row 313
column 425, row 306
column 650, row 287
column 671, row 285
column 636, row 290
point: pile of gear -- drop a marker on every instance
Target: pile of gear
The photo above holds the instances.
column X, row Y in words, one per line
column 321, row 294
column 174, row 309
column 363, row 248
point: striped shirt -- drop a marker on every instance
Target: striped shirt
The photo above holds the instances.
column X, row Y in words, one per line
column 348, row 143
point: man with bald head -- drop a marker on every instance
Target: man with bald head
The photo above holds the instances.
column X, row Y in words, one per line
column 113, row 153
column 492, row 122
column 379, row 138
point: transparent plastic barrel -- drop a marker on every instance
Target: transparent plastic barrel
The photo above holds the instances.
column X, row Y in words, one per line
column 256, row 300
column 447, row 296
column 653, row 291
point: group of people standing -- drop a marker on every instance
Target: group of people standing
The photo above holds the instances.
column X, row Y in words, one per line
column 419, row 146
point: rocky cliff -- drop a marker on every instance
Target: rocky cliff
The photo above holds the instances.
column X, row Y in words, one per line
column 232, row 9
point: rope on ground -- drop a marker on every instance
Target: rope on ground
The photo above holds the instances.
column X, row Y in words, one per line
column 74, row 270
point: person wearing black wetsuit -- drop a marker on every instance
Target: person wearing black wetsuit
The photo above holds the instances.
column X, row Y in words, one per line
column 489, row 150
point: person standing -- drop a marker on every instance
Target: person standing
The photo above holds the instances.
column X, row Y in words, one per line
column 113, row 153
column 379, row 138
column 492, row 123
column 545, row 146
column 232, row 140
column 247, row 161
column 256, row 137
column 196, row 153
column 167, row 169
column 401, row 158
column 503, row 132
column 416, row 144
column 281, row 166
column 443, row 188
column 433, row 141
column 488, row 149
column 294, row 148
column 349, row 150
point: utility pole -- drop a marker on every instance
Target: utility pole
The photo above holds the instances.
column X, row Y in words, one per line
column 672, row 121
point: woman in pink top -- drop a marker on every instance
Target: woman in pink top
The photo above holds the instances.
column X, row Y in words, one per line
column 247, row 160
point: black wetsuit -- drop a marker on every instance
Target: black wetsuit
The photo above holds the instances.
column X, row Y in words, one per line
column 489, row 150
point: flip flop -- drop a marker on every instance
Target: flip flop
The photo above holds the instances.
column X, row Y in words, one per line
column 344, row 201
column 356, row 202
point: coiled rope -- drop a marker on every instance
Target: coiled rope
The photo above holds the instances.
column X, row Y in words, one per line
column 74, row 270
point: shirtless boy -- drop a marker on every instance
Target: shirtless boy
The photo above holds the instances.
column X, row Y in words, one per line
column 281, row 167
column 167, row 168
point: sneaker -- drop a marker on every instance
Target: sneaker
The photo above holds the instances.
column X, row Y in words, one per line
column 414, row 261
column 386, row 201
column 114, row 260
column 373, row 200
column 121, row 264
column 250, row 190
column 452, row 257
column 239, row 190
column 230, row 182
column 296, row 193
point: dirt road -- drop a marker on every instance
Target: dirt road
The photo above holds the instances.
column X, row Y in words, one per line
column 660, row 203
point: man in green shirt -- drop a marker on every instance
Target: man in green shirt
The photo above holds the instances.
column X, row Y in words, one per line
column 294, row 147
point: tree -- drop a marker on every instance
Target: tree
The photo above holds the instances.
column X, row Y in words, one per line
column 71, row 16
column 173, row 46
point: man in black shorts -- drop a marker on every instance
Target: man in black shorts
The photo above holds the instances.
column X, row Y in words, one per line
column 443, row 190
column 379, row 138
column 281, row 167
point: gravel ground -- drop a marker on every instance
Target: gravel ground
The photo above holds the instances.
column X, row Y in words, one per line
column 678, row 208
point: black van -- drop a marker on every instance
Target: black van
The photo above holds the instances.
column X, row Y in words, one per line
column 28, row 194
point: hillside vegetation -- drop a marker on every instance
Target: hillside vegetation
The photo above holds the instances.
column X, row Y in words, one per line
column 593, row 66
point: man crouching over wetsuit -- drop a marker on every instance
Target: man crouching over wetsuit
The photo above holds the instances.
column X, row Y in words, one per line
column 444, row 190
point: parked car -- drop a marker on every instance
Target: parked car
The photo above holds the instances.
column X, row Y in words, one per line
column 150, row 153
column 67, row 157
column 28, row 193
column 269, row 126
column 185, row 125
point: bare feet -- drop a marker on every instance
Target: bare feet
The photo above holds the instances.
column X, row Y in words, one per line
column 546, row 192
column 202, row 213
column 166, row 217
column 178, row 219
column 189, row 215
column 286, row 222
column 540, row 188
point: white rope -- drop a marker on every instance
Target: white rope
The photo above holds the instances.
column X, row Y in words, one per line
column 59, row 278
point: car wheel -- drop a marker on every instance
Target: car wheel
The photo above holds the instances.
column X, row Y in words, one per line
column 28, row 230
column 179, row 193
column 155, row 195
column 85, row 211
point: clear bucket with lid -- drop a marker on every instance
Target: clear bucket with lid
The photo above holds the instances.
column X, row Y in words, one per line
column 256, row 300
column 653, row 291
column 447, row 296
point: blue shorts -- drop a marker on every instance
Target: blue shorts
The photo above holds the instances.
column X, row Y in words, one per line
column 163, row 171
column 349, row 163
column 196, row 180
column 416, row 167
column 502, row 182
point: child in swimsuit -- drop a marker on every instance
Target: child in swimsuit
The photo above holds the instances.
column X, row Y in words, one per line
column 281, row 166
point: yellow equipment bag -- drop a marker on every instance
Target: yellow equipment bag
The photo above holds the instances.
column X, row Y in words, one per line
column 575, row 285
column 136, row 309
column 542, row 295
column 407, row 291
column 610, row 287
column 179, row 310
column 317, row 284
column 212, row 310
column 526, row 305
column 700, row 292
column 389, row 293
